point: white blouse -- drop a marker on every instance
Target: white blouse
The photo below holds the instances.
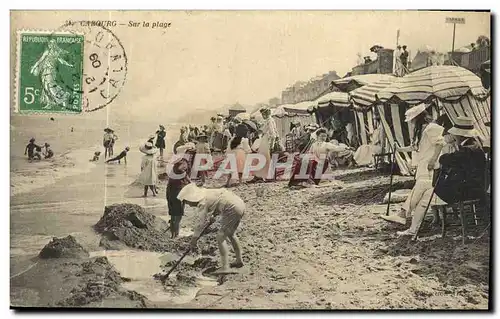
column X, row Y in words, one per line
column 269, row 128
column 322, row 148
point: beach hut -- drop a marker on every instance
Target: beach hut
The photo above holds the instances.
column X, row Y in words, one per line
column 287, row 114
column 363, row 101
column 235, row 110
column 456, row 91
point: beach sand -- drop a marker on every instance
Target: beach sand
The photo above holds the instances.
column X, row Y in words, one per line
column 315, row 248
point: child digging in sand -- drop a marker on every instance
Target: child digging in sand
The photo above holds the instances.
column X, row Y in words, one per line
column 211, row 203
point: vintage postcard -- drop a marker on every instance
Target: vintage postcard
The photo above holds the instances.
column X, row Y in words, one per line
column 250, row 159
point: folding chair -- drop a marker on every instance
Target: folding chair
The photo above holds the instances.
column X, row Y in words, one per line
column 469, row 214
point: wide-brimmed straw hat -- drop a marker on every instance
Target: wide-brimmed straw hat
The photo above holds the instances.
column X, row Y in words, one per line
column 148, row 149
column 183, row 148
column 415, row 111
column 201, row 136
column 161, row 126
column 107, row 129
column 463, row 126
column 191, row 193
column 265, row 110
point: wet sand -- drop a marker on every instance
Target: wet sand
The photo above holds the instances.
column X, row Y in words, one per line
column 315, row 248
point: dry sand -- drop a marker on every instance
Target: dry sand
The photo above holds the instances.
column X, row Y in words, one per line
column 327, row 248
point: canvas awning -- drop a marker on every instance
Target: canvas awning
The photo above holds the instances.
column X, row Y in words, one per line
column 445, row 82
column 339, row 99
column 353, row 82
column 365, row 96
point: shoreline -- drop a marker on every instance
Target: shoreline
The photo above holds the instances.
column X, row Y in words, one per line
column 327, row 248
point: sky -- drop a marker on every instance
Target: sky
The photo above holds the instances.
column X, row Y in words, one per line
column 208, row 59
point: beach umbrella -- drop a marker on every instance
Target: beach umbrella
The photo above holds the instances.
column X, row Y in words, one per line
column 250, row 124
column 353, row 82
column 340, row 99
column 278, row 111
column 365, row 96
column 299, row 108
column 243, row 116
column 445, row 82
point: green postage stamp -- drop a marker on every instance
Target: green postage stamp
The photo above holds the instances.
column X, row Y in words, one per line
column 49, row 72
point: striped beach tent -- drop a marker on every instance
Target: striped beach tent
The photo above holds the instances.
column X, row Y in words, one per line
column 365, row 96
column 351, row 83
column 286, row 114
column 444, row 82
column 339, row 99
column 363, row 100
column 456, row 91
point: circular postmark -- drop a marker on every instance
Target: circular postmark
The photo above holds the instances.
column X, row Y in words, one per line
column 100, row 76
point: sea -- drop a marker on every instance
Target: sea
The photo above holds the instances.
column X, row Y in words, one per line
column 74, row 141
column 66, row 195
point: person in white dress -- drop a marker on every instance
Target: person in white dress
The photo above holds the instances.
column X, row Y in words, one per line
column 427, row 143
column 267, row 141
column 239, row 146
column 149, row 173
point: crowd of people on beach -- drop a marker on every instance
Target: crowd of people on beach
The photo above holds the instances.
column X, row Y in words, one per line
column 446, row 155
column 450, row 159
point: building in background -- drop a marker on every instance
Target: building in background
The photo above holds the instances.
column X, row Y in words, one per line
column 275, row 101
column 308, row 91
column 383, row 64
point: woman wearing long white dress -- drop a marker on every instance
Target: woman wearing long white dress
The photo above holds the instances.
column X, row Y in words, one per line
column 427, row 143
column 149, row 173
column 239, row 146
column 269, row 137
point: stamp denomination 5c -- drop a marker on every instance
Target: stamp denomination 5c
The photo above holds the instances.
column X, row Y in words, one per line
column 49, row 72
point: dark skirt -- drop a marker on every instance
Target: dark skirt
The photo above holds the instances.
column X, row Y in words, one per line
column 311, row 171
column 175, row 206
column 160, row 143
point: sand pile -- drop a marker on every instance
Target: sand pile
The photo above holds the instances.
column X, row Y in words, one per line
column 130, row 225
column 99, row 281
column 65, row 276
column 66, row 247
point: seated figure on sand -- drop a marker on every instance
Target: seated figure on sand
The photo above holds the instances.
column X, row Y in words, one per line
column 33, row 150
column 211, row 203
column 364, row 155
column 47, row 152
column 462, row 174
column 315, row 158
column 343, row 157
column 96, row 156
column 122, row 155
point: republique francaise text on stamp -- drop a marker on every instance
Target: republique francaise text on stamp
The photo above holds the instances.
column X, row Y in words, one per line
column 71, row 70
